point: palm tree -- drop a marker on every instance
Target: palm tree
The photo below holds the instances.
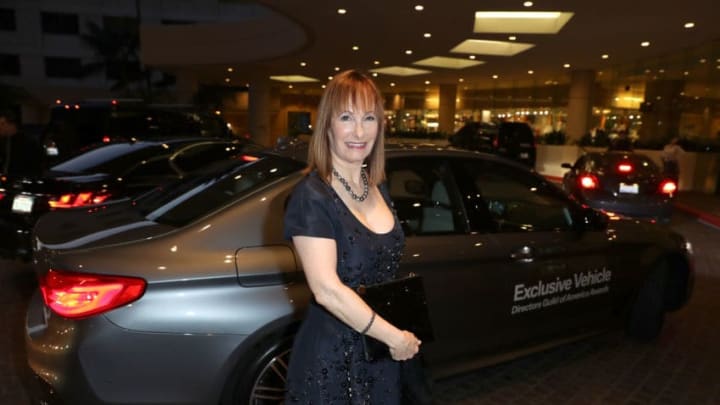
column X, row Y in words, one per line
column 117, row 54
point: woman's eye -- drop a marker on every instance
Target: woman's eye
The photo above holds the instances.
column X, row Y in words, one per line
column 345, row 117
column 370, row 118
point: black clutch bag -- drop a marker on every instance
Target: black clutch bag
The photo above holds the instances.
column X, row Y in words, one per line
column 402, row 303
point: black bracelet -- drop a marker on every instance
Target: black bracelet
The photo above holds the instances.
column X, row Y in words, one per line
column 367, row 328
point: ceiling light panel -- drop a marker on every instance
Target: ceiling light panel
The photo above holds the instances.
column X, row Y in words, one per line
column 485, row 47
column 448, row 63
column 294, row 79
column 400, row 71
column 521, row 22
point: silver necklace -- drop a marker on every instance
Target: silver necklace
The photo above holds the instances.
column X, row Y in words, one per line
column 349, row 189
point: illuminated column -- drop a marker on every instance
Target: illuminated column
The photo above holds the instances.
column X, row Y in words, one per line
column 579, row 109
column 661, row 110
column 446, row 108
column 259, row 111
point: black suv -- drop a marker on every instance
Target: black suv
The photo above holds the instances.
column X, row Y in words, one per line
column 514, row 140
column 76, row 127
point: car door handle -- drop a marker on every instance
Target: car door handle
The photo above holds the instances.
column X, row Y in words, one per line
column 523, row 254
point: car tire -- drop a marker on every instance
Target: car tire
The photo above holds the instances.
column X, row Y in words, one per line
column 263, row 380
column 647, row 313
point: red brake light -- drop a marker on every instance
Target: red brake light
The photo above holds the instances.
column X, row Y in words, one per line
column 588, row 182
column 77, row 295
column 625, row 168
column 668, row 187
column 72, row 200
column 106, row 139
column 249, row 158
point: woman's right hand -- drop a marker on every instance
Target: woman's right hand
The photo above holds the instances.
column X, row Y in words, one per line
column 406, row 347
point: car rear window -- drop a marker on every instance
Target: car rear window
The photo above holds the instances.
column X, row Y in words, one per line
column 108, row 158
column 641, row 164
column 213, row 188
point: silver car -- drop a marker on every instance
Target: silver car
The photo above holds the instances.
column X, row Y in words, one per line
column 190, row 294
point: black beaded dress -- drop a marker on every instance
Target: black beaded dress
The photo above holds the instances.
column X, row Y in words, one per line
column 327, row 364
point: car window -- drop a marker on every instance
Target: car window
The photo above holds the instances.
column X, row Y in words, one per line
column 504, row 198
column 112, row 158
column 203, row 193
column 196, row 156
column 151, row 168
column 424, row 196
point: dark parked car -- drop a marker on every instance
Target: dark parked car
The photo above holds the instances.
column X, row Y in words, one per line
column 76, row 127
column 514, row 140
column 118, row 170
column 621, row 183
column 191, row 295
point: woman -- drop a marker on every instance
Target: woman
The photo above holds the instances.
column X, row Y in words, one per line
column 345, row 233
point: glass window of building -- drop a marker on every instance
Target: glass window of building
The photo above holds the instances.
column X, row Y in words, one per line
column 60, row 23
column 9, row 65
column 7, row 19
column 59, row 67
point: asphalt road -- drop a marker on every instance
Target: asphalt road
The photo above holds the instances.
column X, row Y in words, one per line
column 681, row 367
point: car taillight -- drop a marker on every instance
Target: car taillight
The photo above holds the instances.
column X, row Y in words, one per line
column 668, row 187
column 588, row 182
column 78, row 295
column 106, row 139
column 625, row 168
column 72, row 200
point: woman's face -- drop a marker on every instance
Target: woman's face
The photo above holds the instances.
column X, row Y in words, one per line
column 353, row 133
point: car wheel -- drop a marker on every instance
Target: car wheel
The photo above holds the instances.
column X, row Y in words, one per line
column 647, row 313
column 263, row 382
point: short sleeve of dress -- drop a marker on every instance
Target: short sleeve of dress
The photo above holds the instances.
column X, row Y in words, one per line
column 308, row 210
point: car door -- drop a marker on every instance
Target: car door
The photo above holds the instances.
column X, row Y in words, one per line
column 441, row 248
column 552, row 270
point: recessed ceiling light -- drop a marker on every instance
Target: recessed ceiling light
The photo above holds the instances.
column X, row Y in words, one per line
column 690, row 24
column 461, row 80
column 400, row 71
column 230, row 69
column 330, row 77
column 290, row 86
column 392, row 84
column 427, row 35
column 495, row 76
column 341, row 11
column 685, row 73
column 605, row 56
column 293, row 79
column 419, row 7
column 522, row 22
column 485, row 47
column 374, row 74
column 512, row 38
column 566, row 66
column 227, row 80
column 472, row 57
column 531, row 72
column 449, row 63
column 323, row 86
column 355, row 48
column 703, row 60
column 427, row 81
column 645, row 44
column 303, row 64
column 336, row 68
column 408, row 52
column 377, row 62
column 528, row 4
